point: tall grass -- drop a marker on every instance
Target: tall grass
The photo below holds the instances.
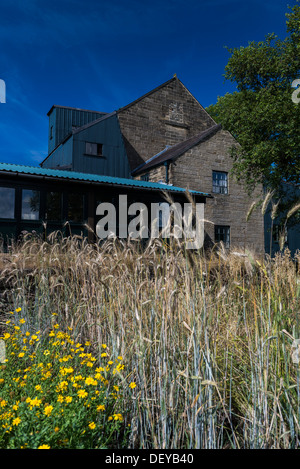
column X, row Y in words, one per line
column 206, row 337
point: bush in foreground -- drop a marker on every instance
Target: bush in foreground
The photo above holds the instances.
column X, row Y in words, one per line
column 54, row 393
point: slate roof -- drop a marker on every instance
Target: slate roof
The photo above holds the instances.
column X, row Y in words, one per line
column 170, row 153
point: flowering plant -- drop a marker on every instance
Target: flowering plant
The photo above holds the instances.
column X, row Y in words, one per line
column 54, row 393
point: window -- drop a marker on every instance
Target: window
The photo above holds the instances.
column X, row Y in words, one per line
column 75, row 207
column 222, row 233
column 7, row 202
column 51, row 132
column 30, row 204
column 53, row 206
column 145, row 177
column 93, row 149
column 280, row 234
column 220, row 182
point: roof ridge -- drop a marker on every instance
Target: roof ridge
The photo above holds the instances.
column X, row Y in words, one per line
column 147, row 94
column 74, row 109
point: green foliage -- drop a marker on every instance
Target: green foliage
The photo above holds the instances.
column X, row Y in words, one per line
column 53, row 394
column 261, row 114
column 208, row 339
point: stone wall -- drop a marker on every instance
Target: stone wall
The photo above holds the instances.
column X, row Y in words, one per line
column 169, row 115
column 193, row 170
column 166, row 116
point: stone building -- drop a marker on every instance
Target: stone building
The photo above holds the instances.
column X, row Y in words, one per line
column 164, row 137
column 171, row 138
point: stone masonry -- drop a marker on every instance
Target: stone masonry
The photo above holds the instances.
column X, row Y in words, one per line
column 169, row 115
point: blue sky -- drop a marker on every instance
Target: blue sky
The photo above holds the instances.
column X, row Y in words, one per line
column 101, row 55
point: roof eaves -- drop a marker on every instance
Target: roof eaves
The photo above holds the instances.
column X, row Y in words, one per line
column 89, row 178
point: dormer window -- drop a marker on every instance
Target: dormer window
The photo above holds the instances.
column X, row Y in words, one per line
column 93, row 149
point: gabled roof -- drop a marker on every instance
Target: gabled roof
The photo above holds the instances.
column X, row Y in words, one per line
column 170, row 153
column 147, row 94
column 174, row 78
column 78, row 130
column 90, row 124
column 58, row 174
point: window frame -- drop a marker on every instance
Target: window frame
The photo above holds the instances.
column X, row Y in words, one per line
column 215, row 183
column 14, row 203
column 99, row 147
column 22, row 219
column 227, row 234
column 145, row 177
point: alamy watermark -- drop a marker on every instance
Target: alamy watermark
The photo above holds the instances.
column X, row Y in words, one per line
column 295, row 97
column 2, row 91
column 162, row 220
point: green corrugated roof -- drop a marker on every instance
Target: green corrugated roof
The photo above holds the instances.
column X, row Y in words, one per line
column 72, row 175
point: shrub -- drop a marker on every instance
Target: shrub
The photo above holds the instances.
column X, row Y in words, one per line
column 54, row 393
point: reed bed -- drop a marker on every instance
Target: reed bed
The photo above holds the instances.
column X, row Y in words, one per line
column 208, row 337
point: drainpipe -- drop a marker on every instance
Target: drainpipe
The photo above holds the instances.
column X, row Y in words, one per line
column 167, row 167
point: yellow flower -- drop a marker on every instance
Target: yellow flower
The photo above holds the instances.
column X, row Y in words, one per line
column 1, row 380
column 18, row 310
column 116, row 417
column 16, row 421
column 100, row 407
column 6, row 336
column 60, row 398
column 35, row 402
column 82, row 393
column 63, row 385
column 44, row 447
column 21, row 355
column 92, row 425
column 68, row 399
column 48, row 409
column 22, row 321
column 56, row 429
column 89, row 380
column 132, row 385
column 104, row 346
column 104, row 354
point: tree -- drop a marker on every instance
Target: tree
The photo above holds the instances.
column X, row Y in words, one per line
column 261, row 114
